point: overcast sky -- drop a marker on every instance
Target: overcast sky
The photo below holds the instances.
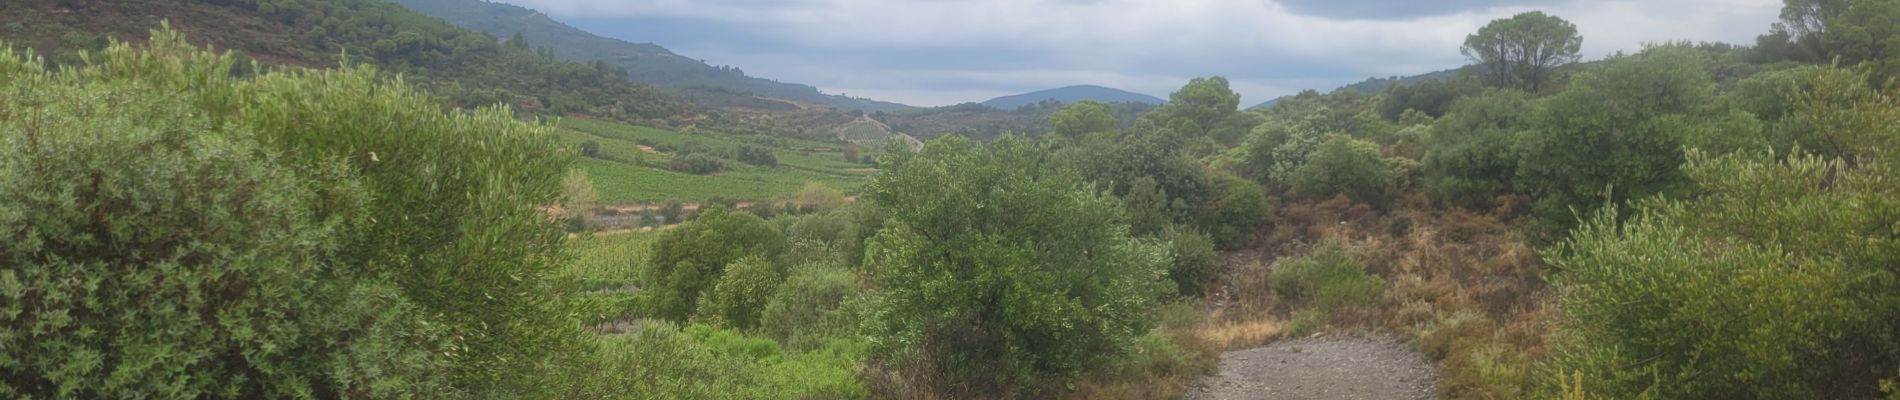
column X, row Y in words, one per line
column 940, row 52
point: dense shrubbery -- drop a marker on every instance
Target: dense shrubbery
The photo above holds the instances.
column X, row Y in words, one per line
column 1343, row 166
column 697, row 164
column 688, row 260
column 1194, row 261
column 282, row 196
column 1772, row 283
column 1326, row 278
column 756, row 155
column 997, row 275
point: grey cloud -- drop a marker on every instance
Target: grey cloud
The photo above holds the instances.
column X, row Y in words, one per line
column 1397, row 9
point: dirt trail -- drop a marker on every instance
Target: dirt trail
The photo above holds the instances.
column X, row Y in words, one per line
column 1370, row 368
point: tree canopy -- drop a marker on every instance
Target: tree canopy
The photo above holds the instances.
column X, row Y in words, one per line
column 1523, row 50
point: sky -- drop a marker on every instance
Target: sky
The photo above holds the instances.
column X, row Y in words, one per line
column 942, row 52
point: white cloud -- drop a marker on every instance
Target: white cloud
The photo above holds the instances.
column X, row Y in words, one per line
column 1143, row 45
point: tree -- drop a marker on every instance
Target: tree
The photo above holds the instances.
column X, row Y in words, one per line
column 741, row 293
column 1082, row 118
column 1521, row 51
column 1616, row 134
column 1343, row 165
column 999, row 272
column 686, row 261
column 1469, row 160
column 1205, row 108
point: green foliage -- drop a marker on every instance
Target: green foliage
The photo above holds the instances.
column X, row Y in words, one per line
column 1616, row 134
column 756, row 155
column 1326, row 278
column 689, row 259
column 1522, row 51
column 697, row 164
column 1433, row 98
column 1205, row 108
column 1157, row 181
column 1771, row 284
column 1850, row 32
column 134, row 269
column 1343, row 165
column 699, row 362
column 1083, row 118
column 1470, row 159
column 1241, row 210
column 737, row 298
column 997, row 272
column 1194, row 261
column 811, row 307
column 443, row 205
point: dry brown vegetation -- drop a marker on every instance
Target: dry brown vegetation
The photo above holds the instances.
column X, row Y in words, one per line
column 1464, row 286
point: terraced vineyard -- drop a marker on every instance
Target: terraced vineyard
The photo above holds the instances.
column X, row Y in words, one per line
column 631, row 165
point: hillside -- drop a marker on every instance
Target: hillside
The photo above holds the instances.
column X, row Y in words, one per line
column 1072, row 94
column 465, row 67
column 644, row 62
column 1376, row 85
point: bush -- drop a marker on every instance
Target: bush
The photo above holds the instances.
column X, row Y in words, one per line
column 700, row 362
column 1469, row 160
column 451, row 204
column 736, row 300
column 590, row 149
column 1327, row 277
column 154, row 252
column 1774, row 282
column 807, row 309
column 1342, row 165
column 1194, row 261
column 1240, row 212
column 756, row 155
column 687, row 261
column 697, row 164
column 1040, row 282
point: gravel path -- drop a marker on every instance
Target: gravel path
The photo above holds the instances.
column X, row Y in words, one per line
column 1375, row 368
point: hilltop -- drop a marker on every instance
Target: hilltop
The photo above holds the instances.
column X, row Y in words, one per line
column 1072, row 94
column 644, row 62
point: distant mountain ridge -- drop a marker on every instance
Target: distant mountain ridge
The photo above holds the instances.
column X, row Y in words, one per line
column 1073, row 94
column 1376, row 85
column 645, row 62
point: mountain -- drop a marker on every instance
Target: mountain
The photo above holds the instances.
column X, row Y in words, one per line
column 1073, row 94
column 465, row 67
column 1376, row 85
column 645, row 62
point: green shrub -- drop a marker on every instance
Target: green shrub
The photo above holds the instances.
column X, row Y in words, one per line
column 1327, row 277
column 153, row 252
column 1194, row 261
column 688, row 260
column 807, row 309
column 999, row 274
column 1241, row 209
column 1470, row 160
column 447, row 206
column 697, row 164
column 1342, row 165
column 1770, row 284
column 741, row 293
column 700, row 362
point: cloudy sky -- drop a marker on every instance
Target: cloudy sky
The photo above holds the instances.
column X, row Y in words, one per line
column 939, row 52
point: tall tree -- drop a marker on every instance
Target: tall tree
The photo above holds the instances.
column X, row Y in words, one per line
column 1521, row 51
column 1083, row 118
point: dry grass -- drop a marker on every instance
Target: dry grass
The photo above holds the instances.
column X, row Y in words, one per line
column 1239, row 333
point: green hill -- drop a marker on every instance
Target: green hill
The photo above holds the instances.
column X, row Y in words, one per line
column 645, row 62
column 1072, row 94
column 467, row 68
